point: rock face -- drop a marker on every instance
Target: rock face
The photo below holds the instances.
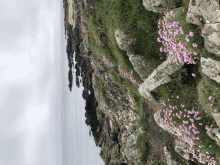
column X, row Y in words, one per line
column 120, row 140
column 211, row 68
column 159, row 77
column 138, row 62
column 208, row 14
column 169, row 159
column 214, row 133
column 181, row 148
column 161, row 5
column 102, row 41
column 119, row 110
column 216, row 116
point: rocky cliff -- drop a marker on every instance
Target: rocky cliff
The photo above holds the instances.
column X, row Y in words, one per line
column 120, row 140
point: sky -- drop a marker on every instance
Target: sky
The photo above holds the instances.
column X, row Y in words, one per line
column 33, row 90
column 30, row 68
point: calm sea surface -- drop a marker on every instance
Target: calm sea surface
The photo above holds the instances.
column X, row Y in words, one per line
column 78, row 148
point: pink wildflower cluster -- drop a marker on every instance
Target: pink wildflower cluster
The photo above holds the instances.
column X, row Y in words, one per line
column 188, row 130
column 125, row 75
column 83, row 29
column 106, row 61
column 128, row 75
column 170, row 42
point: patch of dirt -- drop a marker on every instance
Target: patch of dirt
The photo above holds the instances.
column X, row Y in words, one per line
column 158, row 138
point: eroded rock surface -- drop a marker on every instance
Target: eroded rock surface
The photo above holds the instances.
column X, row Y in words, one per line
column 161, row 5
column 169, row 159
column 207, row 13
column 120, row 140
column 159, row 77
column 211, row 68
column 138, row 62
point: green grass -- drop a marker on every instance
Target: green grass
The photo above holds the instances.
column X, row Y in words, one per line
column 132, row 18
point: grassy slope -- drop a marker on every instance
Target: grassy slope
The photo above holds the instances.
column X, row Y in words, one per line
column 132, row 18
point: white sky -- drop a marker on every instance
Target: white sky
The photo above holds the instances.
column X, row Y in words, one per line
column 30, row 84
column 32, row 48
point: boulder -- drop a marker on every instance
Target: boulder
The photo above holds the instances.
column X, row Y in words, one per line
column 207, row 13
column 102, row 41
column 211, row 68
column 182, row 148
column 123, row 40
column 214, row 133
column 159, row 77
column 138, row 62
column 202, row 12
column 128, row 150
column 140, row 66
column 161, row 5
column 216, row 116
column 169, row 159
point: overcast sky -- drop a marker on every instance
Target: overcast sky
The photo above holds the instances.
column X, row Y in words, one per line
column 32, row 50
column 30, row 68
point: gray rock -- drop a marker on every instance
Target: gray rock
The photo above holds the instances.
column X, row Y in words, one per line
column 160, row 5
column 211, row 68
column 208, row 14
column 182, row 148
column 200, row 11
column 138, row 62
column 169, row 159
column 214, row 134
column 158, row 120
column 129, row 138
column 115, row 105
column 102, row 41
column 216, row 116
column 143, row 68
column 159, row 77
column 123, row 40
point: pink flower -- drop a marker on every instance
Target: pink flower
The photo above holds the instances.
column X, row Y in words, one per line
column 194, row 45
column 164, row 104
column 177, row 97
column 193, row 74
column 210, row 97
column 171, row 13
column 215, row 110
column 191, row 34
column 191, row 120
column 206, row 127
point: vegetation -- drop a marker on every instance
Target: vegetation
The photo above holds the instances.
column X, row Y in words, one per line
column 192, row 91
